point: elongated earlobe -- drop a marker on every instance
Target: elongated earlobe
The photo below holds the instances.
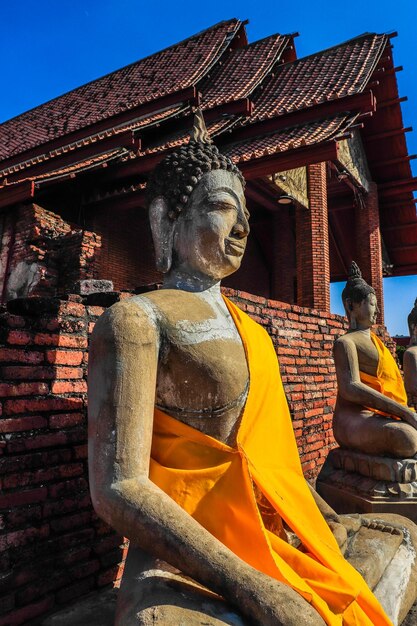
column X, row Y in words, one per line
column 162, row 227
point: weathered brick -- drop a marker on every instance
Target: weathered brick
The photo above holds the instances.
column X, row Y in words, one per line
column 14, row 425
column 23, row 389
column 19, row 337
column 28, row 372
column 27, row 613
column 22, row 537
column 64, row 357
column 23, row 497
column 63, row 341
column 66, row 420
column 12, row 407
column 20, row 356
column 48, row 440
column 69, row 387
column 68, row 372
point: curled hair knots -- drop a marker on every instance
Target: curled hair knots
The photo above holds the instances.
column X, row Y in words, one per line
column 178, row 174
column 356, row 288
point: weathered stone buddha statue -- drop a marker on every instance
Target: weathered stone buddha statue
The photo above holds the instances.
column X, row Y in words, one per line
column 370, row 387
column 192, row 453
column 410, row 360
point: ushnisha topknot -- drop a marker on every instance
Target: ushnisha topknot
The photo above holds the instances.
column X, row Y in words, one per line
column 356, row 288
column 412, row 317
column 177, row 175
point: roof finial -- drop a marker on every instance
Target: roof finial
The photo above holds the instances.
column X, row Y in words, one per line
column 199, row 131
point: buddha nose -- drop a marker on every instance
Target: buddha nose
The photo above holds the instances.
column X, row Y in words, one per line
column 241, row 229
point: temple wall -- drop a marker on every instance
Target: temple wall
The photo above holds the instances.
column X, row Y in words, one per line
column 53, row 548
column 42, row 254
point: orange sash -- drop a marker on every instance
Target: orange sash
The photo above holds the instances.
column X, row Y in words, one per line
column 214, row 483
column 388, row 379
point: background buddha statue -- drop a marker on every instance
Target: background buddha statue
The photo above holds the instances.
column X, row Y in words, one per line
column 410, row 360
column 370, row 387
column 174, row 358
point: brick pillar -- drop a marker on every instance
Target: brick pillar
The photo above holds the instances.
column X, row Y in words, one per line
column 368, row 244
column 283, row 269
column 312, row 243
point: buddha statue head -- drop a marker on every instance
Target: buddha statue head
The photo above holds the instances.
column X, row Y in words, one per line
column 359, row 300
column 412, row 324
column 197, row 212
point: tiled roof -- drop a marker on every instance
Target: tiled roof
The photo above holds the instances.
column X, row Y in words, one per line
column 340, row 71
column 163, row 73
column 287, row 139
column 80, row 166
column 242, row 70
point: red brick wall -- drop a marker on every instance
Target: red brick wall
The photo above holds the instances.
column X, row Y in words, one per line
column 127, row 256
column 53, row 548
column 41, row 254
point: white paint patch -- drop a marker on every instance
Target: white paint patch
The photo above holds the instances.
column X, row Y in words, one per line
column 391, row 588
column 221, row 326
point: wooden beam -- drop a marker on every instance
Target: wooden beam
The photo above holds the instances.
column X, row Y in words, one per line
column 290, row 159
column 388, row 133
column 402, row 159
column 404, row 248
column 392, row 205
column 14, row 194
column 389, row 103
column 396, row 187
column 399, row 226
column 404, row 270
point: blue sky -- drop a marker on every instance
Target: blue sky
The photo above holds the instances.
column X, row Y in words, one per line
column 50, row 47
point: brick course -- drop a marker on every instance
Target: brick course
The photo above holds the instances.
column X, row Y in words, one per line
column 52, row 545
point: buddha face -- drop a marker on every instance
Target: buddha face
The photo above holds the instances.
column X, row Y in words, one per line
column 209, row 236
column 365, row 312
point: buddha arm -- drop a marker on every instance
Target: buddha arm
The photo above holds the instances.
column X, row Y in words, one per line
column 352, row 389
column 122, row 380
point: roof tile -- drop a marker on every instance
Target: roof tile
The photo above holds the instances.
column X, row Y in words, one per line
column 340, row 71
column 165, row 72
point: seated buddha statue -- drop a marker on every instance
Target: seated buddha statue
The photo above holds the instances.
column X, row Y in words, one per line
column 192, row 455
column 371, row 413
column 410, row 360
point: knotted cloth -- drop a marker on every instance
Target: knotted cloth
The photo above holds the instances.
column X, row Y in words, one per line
column 215, row 484
column 388, row 379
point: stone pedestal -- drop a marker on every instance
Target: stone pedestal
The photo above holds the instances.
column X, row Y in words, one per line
column 352, row 482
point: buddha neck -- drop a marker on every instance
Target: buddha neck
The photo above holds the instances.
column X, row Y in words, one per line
column 413, row 339
column 195, row 282
column 363, row 330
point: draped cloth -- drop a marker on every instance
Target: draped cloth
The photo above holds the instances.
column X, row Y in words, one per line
column 216, row 484
column 388, row 379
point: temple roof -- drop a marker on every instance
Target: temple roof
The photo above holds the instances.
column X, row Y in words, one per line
column 264, row 107
column 166, row 72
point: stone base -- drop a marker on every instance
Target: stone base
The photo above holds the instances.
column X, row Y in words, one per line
column 345, row 501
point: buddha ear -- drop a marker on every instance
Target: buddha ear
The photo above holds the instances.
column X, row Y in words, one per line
column 162, row 227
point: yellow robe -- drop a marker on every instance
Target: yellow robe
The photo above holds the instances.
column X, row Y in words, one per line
column 388, row 379
column 215, row 484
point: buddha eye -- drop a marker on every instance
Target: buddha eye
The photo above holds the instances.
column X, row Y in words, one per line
column 221, row 205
